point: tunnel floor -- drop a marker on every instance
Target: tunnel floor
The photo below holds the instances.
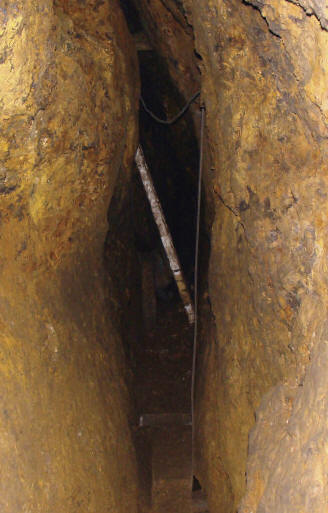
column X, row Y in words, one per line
column 163, row 439
column 164, row 362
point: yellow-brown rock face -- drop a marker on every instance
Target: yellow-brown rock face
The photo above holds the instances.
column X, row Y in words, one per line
column 264, row 371
column 67, row 122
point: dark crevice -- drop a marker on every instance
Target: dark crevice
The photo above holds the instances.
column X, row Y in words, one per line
column 257, row 7
column 131, row 15
column 172, row 154
column 162, row 358
column 195, row 484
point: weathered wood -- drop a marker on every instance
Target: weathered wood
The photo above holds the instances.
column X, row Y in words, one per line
column 165, row 234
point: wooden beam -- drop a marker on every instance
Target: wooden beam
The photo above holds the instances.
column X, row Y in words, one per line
column 165, row 234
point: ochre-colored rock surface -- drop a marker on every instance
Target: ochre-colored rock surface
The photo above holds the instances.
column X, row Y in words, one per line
column 68, row 124
column 68, row 121
column 261, row 434
column 262, row 399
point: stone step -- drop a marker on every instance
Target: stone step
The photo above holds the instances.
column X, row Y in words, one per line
column 171, row 469
column 162, row 419
column 172, row 497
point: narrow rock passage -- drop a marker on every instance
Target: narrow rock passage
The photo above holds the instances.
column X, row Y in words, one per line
column 81, row 266
column 163, row 399
column 163, row 379
column 163, row 358
column 164, row 363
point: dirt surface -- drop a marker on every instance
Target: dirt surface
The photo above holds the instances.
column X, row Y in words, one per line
column 163, row 370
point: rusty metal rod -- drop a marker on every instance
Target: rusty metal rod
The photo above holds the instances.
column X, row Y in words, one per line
column 196, row 286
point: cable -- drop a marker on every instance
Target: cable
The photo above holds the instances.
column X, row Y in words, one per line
column 199, row 197
column 175, row 118
column 194, row 355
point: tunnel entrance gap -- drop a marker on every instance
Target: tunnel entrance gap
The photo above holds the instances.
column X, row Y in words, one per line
column 171, row 152
column 173, row 156
column 163, row 355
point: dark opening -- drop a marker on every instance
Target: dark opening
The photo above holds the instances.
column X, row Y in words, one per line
column 163, row 355
column 172, row 153
column 195, row 484
column 131, row 16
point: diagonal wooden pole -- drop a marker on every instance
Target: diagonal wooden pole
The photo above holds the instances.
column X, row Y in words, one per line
column 165, row 234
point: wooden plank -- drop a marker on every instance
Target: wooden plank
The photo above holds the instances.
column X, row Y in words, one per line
column 161, row 419
column 165, row 234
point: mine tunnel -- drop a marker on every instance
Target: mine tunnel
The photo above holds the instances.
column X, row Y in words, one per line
column 160, row 352
column 97, row 356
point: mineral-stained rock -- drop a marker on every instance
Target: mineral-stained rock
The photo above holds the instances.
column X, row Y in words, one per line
column 262, row 388
column 166, row 25
column 68, row 104
column 264, row 80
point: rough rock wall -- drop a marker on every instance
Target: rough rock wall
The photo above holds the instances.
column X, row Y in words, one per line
column 263, row 371
column 170, row 35
column 68, row 103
